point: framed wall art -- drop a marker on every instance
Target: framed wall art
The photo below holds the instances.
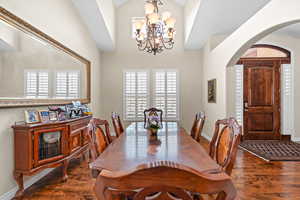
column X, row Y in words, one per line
column 212, row 91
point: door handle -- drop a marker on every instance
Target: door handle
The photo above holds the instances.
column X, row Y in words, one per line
column 245, row 104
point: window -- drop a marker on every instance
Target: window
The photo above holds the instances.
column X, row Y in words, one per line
column 266, row 51
column 67, row 84
column 287, row 88
column 36, row 84
column 239, row 93
column 136, row 94
column 166, row 93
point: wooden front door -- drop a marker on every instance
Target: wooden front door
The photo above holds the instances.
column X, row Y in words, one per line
column 262, row 99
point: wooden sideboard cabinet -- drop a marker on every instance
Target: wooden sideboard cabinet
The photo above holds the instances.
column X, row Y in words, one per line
column 48, row 145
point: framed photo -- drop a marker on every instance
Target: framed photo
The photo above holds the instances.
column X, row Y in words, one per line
column 212, row 91
column 32, row 116
column 53, row 116
column 44, row 115
column 62, row 116
column 63, row 108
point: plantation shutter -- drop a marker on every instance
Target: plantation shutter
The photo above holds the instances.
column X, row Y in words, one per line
column 239, row 93
column 287, row 113
column 67, row 84
column 73, row 84
column 37, row 84
column 166, row 94
column 136, row 94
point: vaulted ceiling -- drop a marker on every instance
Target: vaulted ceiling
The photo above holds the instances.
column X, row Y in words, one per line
column 215, row 17
column 209, row 17
column 120, row 2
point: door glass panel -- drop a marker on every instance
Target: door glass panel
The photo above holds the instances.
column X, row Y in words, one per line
column 49, row 145
column 264, row 52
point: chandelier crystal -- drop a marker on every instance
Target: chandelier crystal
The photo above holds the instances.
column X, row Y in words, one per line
column 154, row 33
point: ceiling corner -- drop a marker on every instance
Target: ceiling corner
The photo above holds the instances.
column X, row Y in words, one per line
column 181, row 2
column 119, row 2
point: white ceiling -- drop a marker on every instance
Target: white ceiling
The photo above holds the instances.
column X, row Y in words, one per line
column 292, row 30
column 217, row 17
column 120, row 2
column 94, row 19
column 214, row 17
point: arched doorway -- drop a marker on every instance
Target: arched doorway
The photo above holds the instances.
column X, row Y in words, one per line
column 261, row 67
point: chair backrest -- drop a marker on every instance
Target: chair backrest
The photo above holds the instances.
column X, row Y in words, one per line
column 224, row 144
column 150, row 112
column 99, row 123
column 115, row 117
column 91, row 128
column 198, row 126
column 99, row 139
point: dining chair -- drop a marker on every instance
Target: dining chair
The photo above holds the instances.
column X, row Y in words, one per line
column 115, row 117
column 224, row 144
column 223, row 148
column 152, row 112
column 99, row 139
column 198, row 126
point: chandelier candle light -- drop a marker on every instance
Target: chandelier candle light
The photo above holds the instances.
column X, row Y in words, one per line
column 154, row 33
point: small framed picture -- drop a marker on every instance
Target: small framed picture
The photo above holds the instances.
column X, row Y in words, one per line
column 32, row 116
column 44, row 115
column 53, row 116
column 62, row 116
column 212, row 91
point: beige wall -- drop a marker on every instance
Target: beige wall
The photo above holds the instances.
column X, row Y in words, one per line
column 60, row 20
column 213, row 111
column 126, row 56
column 108, row 10
column 190, row 11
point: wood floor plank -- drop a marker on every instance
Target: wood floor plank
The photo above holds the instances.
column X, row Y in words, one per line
column 254, row 179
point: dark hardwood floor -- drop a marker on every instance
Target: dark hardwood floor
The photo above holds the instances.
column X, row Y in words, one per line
column 253, row 178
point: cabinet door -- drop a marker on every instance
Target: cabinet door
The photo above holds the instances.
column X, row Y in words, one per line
column 85, row 138
column 78, row 135
column 49, row 145
column 75, row 141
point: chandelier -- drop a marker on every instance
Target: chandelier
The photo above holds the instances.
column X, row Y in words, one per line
column 153, row 33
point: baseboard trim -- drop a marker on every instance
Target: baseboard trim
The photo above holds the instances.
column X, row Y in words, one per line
column 11, row 193
column 295, row 139
column 207, row 136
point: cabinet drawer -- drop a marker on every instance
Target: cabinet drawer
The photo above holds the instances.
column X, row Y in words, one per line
column 76, row 126
column 75, row 141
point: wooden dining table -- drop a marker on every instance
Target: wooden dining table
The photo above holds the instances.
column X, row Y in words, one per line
column 136, row 160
